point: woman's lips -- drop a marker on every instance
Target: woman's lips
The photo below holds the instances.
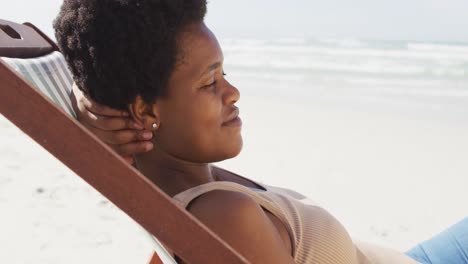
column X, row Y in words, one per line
column 236, row 122
column 234, row 119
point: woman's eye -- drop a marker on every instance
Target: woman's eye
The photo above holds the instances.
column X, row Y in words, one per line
column 209, row 85
column 212, row 84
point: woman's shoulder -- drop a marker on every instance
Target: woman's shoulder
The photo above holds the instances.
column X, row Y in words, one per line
column 219, row 201
column 240, row 220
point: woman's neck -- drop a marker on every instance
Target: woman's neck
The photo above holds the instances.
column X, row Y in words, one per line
column 171, row 174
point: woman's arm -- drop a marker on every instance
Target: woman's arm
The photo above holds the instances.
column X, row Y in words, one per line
column 242, row 223
column 114, row 127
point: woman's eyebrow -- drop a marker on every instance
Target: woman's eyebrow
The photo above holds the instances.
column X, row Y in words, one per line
column 212, row 67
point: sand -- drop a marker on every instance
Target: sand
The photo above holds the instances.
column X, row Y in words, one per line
column 391, row 179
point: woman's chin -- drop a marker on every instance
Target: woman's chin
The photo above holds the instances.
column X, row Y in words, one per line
column 231, row 152
column 236, row 150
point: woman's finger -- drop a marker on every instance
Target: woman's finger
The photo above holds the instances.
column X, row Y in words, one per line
column 107, row 123
column 126, row 150
column 83, row 102
column 101, row 117
column 100, row 109
column 133, row 148
column 115, row 123
column 127, row 136
column 123, row 136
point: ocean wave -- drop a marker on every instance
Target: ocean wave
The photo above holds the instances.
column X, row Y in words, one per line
column 397, row 71
column 445, row 48
column 291, row 41
column 352, row 80
column 343, row 43
column 410, row 51
column 306, row 66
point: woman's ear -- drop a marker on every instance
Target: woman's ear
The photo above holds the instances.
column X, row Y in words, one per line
column 144, row 114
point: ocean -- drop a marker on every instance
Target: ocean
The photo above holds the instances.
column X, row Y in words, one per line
column 397, row 76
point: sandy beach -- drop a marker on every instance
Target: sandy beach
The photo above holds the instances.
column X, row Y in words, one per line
column 390, row 179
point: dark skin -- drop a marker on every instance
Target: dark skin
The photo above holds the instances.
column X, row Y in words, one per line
column 197, row 124
column 116, row 128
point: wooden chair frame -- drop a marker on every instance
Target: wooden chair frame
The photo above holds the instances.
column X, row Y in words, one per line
column 94, row 161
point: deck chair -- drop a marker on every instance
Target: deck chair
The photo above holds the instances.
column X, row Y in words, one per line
column 35, row 84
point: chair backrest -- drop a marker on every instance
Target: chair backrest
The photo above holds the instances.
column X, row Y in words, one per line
column 20, row 41
column 129, row 190
column 50, row 75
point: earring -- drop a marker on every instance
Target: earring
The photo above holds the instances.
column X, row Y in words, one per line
column 155, row 125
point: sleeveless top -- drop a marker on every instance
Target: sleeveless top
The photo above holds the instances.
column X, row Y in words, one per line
column 316, row 236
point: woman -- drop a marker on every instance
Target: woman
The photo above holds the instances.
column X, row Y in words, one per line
column 157, row 63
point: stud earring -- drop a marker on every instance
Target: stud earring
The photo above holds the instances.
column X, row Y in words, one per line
column 155, row 125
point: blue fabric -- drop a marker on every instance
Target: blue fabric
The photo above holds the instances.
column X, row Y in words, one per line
column 448, row 247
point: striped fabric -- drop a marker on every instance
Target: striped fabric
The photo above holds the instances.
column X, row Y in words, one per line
column 50, row 75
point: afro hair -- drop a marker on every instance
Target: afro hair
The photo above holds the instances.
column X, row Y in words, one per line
column 120, row 49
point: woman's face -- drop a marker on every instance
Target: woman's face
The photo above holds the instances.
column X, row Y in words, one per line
column 198, row 118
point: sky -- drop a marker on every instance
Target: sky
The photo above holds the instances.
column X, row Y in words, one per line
column 416, row 20
column 429, row 20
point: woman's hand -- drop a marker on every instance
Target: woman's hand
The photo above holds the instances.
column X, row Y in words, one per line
column 115, row 127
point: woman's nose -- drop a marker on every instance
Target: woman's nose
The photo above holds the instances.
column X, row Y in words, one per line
column 231, row 95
